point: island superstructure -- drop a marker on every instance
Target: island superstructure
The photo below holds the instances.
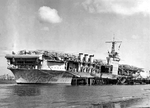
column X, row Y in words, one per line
column 113, row 57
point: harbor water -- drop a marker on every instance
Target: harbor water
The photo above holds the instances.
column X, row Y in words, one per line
column 66, row 96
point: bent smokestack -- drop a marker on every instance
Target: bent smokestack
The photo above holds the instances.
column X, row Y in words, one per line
column 81, row 57
column 85, row 57
column 91, row 58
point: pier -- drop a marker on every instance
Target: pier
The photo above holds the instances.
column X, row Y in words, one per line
column 106, row 81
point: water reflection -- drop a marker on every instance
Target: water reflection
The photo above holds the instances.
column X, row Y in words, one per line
column 119, row 104
column 27, row 90
column 59, row 96
column 103, row 96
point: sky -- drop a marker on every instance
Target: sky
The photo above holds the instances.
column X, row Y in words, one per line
column 75, row 26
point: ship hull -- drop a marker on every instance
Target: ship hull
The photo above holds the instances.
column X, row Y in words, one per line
column 26, row 76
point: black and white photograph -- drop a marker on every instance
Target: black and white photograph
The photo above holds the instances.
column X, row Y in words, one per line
column 74, row 53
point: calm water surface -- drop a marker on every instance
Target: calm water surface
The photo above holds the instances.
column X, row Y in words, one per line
column 63, row 96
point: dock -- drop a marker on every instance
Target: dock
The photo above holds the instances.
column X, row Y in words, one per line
column 106, row 81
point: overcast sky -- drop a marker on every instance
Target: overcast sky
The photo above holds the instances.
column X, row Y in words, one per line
column 76, row 26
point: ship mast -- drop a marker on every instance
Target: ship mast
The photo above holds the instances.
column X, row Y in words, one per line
column 113, row 54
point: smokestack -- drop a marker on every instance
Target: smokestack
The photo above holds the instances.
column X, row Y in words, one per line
column 85, row 57
column 81, row 57
column 91, row 58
